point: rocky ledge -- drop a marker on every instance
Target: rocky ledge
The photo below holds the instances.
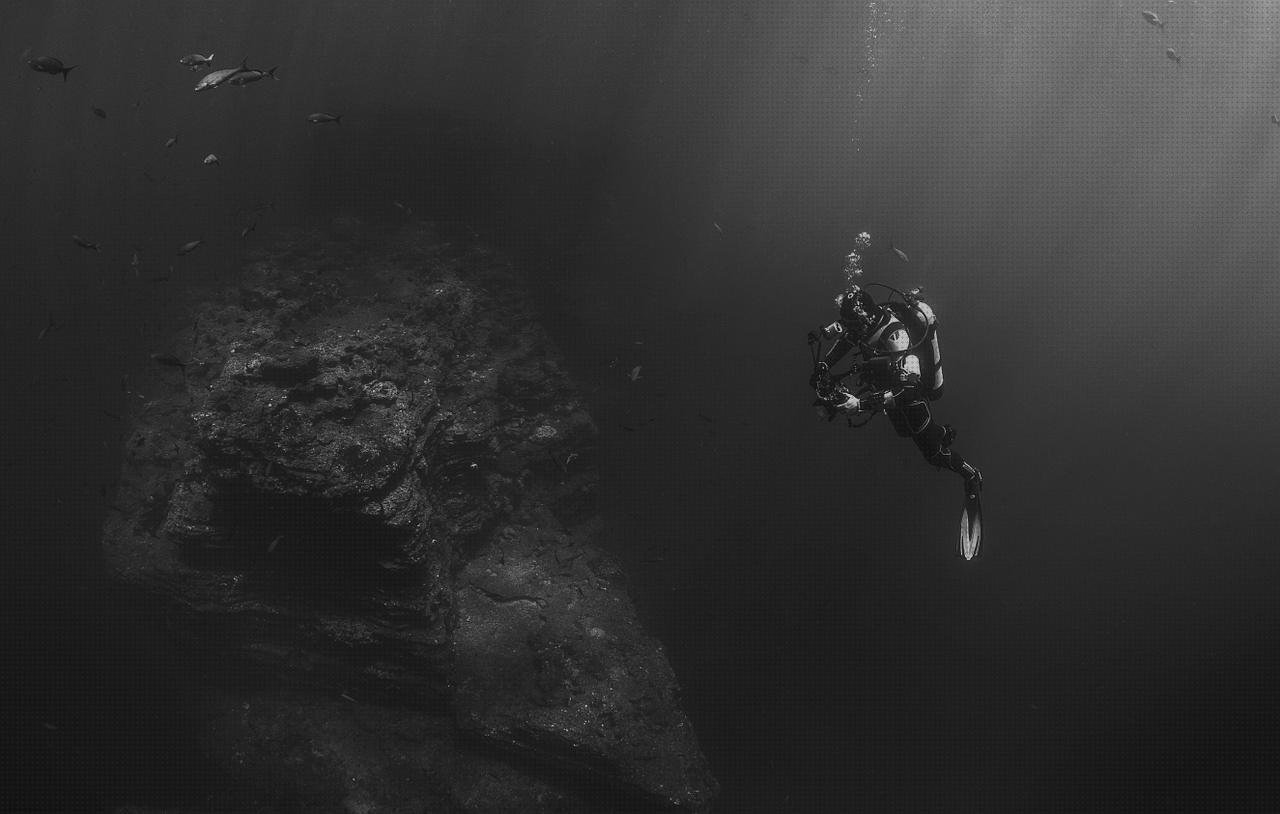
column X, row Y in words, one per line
column 364, row 512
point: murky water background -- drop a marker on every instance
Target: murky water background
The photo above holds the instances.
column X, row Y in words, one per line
column 1093, row 223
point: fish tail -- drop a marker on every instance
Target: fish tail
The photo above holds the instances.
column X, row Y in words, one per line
column 209, row 61
column 337, row 120
column 271, row 72
column 66, row 71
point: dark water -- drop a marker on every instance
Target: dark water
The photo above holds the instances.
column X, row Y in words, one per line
column 1093, row 223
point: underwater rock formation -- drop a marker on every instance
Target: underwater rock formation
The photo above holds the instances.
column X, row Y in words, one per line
column 366, row 516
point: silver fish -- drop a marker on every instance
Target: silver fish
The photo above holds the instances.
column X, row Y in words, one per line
column 212, row 80
column 50, row 65
column 211, row 159
column 1150, row 16
column 635, row 373
column 324, row 118
column 86, row 244
column 188, row 248
column 901, row 254
column 196, row 61
column 1172, row 54
column 172, row 141
column 246, row 77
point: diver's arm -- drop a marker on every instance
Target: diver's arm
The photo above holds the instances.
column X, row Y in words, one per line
column 842, row 344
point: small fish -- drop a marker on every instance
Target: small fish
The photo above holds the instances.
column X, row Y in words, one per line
column 172, row 141
column 242, row 78
column 1275, row 119
column 901, row 254
column 718, row 227
column 1172, row 54
column 188, row 248
column 50, row 65
column 99, row 112
column 196, row 61
column 272, row 546
column 211, row 159
column 168, row 360
column 212, row 80
column 324, row 118
column 630, row 428
column 635, row 373
column 1150, row 16
column 85, row 244
column 135, row 261
column 49, row 326
column 246, row 230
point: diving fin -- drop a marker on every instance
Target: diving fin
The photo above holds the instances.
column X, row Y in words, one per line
column 971, row 526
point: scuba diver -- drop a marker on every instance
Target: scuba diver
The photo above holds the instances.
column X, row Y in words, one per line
column 900, row 372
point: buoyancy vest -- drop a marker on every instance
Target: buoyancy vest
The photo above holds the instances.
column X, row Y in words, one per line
column 922, row 327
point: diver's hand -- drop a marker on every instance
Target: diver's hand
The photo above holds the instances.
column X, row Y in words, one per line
column 819, row 373
column 851, row 404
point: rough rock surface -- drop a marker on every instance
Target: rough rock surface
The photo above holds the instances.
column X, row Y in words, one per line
column 364, row 510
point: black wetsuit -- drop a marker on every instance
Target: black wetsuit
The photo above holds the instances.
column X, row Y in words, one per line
column 893, row 373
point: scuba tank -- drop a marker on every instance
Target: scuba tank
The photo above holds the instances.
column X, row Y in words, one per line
column 922, row 327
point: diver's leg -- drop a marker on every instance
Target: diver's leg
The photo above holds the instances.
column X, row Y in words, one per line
column 934, row 442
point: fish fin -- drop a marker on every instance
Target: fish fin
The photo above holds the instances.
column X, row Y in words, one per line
column 209, row 61
column 66, row 71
